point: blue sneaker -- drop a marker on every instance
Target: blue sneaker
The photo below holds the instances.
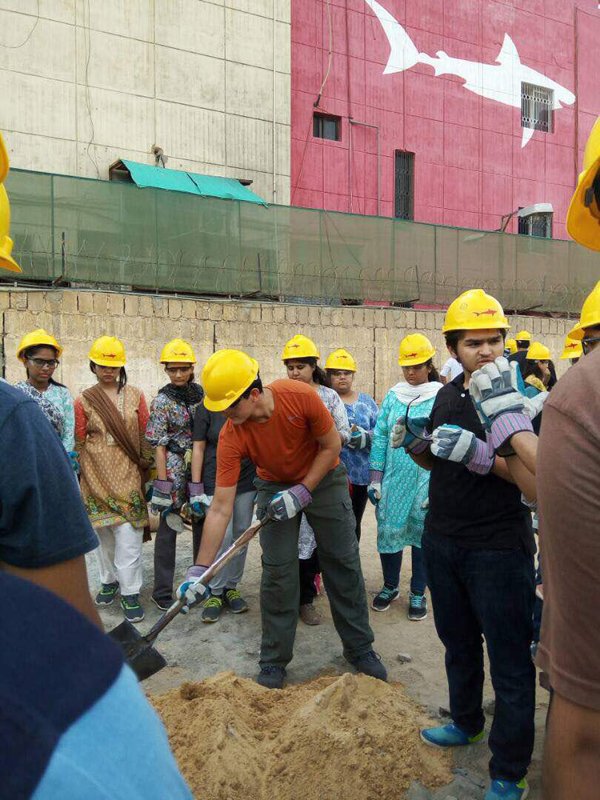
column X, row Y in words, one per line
column 507, row 790
column 449, row 736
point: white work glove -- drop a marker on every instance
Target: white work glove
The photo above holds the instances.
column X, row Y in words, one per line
column 374, row 487
column 452, row 443
column 532, row 406
column 192, row 590
column 400, row 436
column 199, row 501
column 499, row 404
column 359, row 439
column 285, row 505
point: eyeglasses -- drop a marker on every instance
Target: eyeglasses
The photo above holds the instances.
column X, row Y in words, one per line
column 177, row 370
column 340, row 373
column 589, row 344
column 44, row 362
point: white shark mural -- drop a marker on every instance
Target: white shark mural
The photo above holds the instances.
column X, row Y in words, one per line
column 500, row 81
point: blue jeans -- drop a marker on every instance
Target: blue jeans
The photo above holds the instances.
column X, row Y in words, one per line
column 391, row 564
column 487, row 593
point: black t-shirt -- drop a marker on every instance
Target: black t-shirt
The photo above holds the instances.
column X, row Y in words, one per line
column 207, row 426
column 477, row 511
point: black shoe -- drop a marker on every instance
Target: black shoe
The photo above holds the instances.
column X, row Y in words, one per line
column 107, row 594
column 417, row 606
column 132, row 610
column 383, row 600
column 271, row 677
column 212, row 609
column 370, row 664
column 234, row 601
column 163, row 603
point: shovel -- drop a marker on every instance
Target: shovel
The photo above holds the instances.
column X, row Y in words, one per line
column 142, row 657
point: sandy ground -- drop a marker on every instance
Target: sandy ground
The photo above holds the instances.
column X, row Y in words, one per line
column 195, row 650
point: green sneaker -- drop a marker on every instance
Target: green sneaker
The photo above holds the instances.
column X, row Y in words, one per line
column 107, row 594
column 449, row 736
column 212, row 609
column 132, row 609
column 235, row 602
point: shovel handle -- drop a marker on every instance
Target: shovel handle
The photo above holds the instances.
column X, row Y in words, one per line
column 215, row 567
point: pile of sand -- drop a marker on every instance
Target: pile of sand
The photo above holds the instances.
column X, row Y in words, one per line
column 348, row 737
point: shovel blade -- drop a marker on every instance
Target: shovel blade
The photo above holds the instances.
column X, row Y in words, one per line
column 143, row 659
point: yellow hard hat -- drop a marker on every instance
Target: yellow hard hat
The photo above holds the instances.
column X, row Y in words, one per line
column 583, row 216
column 572, row 349
column 340, row 359
column 523, row 336
column 226, row 376
column 36, row 338
column 177, row 351
column 6, row 243
column 538, row 352
column 299, row 346
column 415, row 349
column 511, row 346
column 108, row 351
column 590, row 314
column 474, row 310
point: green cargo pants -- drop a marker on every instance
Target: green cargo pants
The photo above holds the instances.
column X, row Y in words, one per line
column 332, row 520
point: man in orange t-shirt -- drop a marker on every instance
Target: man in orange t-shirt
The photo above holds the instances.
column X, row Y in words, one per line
column 287, row 432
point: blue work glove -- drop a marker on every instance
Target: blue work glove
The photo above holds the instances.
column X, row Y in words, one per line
column 192, row 590
column 74, row 456
column 374, row 487
column 400, row 436
column 199, row 501
column 452, row 443
column 161, row 499
column 285, row 505
column 359, row 440
column 499, row 404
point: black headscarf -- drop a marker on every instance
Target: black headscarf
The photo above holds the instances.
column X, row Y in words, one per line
column 187, row 395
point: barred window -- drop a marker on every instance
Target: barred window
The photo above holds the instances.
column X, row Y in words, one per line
column 404, row 185
column 536, row 225
column 536, row 108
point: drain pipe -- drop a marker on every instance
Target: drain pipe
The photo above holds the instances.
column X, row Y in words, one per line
column 376, row 129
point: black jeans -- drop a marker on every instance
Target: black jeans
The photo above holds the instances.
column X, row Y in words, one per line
column 165, row 546
column 358, row 495
column 391, row 564
column 308, row 570
column 487, row 593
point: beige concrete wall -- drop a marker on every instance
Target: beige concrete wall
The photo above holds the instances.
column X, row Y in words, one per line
column 85, row 82
column 145, row 323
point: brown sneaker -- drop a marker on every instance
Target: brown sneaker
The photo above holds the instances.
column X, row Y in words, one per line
column 309, row 614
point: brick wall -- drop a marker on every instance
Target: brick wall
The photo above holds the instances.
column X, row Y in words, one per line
column 145, row 323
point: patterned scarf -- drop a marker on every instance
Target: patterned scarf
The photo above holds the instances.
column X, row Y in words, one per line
column 187, row 395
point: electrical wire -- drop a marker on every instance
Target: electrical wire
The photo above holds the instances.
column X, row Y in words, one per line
column 330, row 55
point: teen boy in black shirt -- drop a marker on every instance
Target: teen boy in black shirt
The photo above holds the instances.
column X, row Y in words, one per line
column 478, row 548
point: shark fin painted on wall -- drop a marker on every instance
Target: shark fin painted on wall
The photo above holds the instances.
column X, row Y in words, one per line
column 500, row 81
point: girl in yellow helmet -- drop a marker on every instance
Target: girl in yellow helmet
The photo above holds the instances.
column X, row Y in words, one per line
column 536, row 370
column 110, row 421
column 40, row 352
column 398, row 486
column 169, row 430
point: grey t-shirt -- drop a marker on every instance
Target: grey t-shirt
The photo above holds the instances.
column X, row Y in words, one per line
column 207, row 426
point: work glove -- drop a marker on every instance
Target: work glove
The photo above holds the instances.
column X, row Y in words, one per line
column 500, row 406
column 192, row 591
column 285, row 505
column 199, row 501
column 532, row 406
column 374, row 487
column 161, row 498
column 359, row 439
column 400, row 436
column 74, row 456
column 456, row 444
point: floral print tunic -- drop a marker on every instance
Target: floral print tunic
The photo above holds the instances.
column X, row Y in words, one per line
column 363, row 414
column 170, row 425
column 61, row 413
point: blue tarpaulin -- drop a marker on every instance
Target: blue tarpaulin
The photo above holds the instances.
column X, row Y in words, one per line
column 174, row 180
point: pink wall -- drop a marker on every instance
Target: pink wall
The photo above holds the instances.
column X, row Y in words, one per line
column 470, row 167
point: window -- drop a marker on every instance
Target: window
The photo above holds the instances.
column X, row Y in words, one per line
column 536, row 107
column 327, row 127
column 536, row 225
column 404, row 189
